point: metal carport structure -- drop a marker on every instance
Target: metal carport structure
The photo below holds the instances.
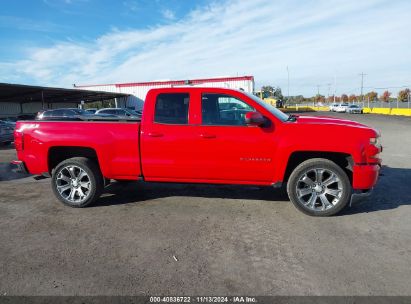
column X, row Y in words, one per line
column 17, row 99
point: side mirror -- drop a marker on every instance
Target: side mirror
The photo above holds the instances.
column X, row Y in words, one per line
column 254, row 119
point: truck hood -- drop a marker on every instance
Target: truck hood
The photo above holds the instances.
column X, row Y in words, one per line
column 328, row 120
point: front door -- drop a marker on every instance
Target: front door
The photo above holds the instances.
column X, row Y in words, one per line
column 229, row 149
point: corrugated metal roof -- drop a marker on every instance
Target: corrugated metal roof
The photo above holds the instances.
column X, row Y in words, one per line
column 170, row 82
column 27, row 94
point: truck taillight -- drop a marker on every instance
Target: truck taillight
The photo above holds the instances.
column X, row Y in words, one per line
column 19, row 140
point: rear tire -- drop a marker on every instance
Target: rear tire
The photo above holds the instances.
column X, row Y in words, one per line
column 319, row 187
column 77, row 182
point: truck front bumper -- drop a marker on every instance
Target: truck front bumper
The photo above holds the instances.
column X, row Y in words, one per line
column 365, row 176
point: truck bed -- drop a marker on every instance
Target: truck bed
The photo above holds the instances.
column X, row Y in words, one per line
column 115, row 144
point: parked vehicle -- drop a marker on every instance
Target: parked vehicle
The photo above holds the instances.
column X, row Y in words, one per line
column 333, row 107
column 352, row 109
column 91, row 110
column 6, row 132
column 61, row 113
column 10, row 119
column 119, row 112
column 341, row 108
column 185, row 137
column 67, row 114
column 26, row 117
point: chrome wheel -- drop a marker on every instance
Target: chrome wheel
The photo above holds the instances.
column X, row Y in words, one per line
column 319, row 189
column 73, row 184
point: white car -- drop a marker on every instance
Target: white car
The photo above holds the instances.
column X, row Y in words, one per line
column 119, row 112
column 354, row 109
column 333, row 106
column 342, row 108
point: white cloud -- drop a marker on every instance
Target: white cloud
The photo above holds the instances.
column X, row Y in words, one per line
column 131, row 5
column 316, row 39
column 168, row 14
column 26, row 24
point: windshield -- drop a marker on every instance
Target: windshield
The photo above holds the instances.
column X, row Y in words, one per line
column 277, row 113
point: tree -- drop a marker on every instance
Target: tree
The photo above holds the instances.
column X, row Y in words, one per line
column 403, row 95
column 371, row 96
column 267, row 91
column 296, row 99
column 319, row 98
column 352, row 98
column 344, row 97
column 270, row 91
column 385, row 96
column 330, row 98
column 278, row 94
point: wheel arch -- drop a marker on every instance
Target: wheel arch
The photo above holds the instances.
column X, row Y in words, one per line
column 57, row 154
column 343, row 160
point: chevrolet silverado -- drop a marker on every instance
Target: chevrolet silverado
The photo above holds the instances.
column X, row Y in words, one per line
column 205, row 135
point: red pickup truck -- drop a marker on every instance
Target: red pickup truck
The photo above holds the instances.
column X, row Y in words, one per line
column 205, row 135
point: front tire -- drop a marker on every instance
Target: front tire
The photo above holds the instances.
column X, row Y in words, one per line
column 319, row 187
column 77, row 182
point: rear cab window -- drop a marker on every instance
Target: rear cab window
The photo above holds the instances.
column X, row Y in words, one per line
column 172, row 108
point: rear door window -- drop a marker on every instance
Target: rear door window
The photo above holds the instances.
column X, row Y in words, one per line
column 172, row 108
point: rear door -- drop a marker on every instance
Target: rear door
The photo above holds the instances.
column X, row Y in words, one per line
column 168, row 146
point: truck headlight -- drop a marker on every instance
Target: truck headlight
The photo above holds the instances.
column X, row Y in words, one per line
column 375, row 141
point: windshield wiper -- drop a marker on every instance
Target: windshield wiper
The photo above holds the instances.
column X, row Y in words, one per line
column 292, row 117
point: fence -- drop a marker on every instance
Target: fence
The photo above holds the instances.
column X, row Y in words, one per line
column 373, row 109
column 366, row 104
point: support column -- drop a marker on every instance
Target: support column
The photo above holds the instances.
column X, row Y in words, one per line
column 42, row 99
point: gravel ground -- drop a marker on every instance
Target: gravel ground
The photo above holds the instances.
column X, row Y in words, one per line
column 150, row 239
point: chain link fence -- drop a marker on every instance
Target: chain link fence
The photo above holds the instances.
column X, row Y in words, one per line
column 365, row 104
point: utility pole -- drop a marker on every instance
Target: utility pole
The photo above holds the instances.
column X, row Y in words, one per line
column 362, row 85
column 318, row 89
column 335, row 86
column 288, row 84
column 329, row 88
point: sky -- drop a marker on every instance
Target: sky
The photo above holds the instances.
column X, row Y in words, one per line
column 325, row 44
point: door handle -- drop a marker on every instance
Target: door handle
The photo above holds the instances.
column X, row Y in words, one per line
column 207, row 136
column 155, row 134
